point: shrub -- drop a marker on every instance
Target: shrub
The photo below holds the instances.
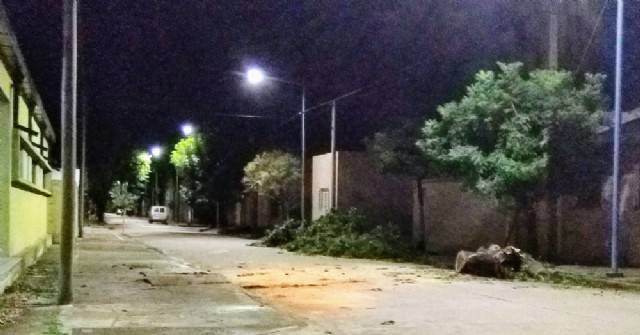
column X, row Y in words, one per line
column 281, row 234
column 345, row 233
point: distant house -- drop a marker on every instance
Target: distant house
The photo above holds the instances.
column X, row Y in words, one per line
column 25, row 173
column 383, row 197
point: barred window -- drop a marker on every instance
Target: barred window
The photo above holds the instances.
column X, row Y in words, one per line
column 324, row 199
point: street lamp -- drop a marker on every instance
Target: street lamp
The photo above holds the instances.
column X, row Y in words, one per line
column 187, row 129
column 156, row 151
column 256, row 76
column 615, row 215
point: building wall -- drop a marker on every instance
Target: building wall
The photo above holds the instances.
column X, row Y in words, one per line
column 25, row 132
column 320, row 180
column 6, row 129
column 383, row 197
column 460, row 220
column 54, row 207
column 28, row 222
column 24, row 175
column 456, row 220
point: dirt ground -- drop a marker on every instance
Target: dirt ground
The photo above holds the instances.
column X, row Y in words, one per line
column 332, row 287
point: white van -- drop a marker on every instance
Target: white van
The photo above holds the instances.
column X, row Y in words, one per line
column 159, row 214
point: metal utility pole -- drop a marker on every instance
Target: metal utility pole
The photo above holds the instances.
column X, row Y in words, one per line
column 83, row 166
column 334, row 185
column 83, row 141
column 616, row 144
column 155, row 191
column 303, row 144
column 177, row 197
column 553, row 35
column 68, row 109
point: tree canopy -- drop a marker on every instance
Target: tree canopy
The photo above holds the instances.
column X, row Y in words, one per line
column 187, row 153
column 394, row 151
column 188, row 157
column 121, row 197
column 499, row 137
column 142, row 166
column 271, row 172
column 516, row 134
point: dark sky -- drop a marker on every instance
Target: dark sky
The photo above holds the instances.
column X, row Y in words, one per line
column 148, row 65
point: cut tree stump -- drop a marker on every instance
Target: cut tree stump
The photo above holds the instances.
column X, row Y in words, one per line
column 490, row 262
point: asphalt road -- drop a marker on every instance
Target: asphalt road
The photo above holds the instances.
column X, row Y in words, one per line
column 347, row 296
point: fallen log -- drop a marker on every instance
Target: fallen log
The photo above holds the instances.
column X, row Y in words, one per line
column 490, row 262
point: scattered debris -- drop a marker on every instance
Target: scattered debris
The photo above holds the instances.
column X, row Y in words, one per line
column 249, row 274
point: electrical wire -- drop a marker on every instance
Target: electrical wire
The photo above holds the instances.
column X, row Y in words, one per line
column 593, row 34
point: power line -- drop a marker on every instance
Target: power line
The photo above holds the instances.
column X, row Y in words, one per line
column 593, row 34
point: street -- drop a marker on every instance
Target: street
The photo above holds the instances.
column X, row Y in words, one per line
column 347, row 296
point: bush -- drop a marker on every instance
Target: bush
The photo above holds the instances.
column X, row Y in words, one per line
column 281, row 234
column 344, row 233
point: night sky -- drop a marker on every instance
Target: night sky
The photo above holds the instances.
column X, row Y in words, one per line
column 146, row 66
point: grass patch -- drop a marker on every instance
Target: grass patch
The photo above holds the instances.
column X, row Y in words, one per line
column 37, row 283
column 54, row 327
column 567, row 279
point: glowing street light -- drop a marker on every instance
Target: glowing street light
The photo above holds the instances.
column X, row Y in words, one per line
column 187, row 129
column 255, row 76
column 156, row 151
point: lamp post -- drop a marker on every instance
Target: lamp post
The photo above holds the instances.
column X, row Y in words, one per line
column 256, row 76
column 187, row 130
column 156, row 151
column 615, row 216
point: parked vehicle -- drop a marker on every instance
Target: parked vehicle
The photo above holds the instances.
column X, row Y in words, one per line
column 159, row 214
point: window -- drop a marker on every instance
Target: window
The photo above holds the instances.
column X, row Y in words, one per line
column 29, row 166
column 38, row 176
column 324, row 199
column 26, row 165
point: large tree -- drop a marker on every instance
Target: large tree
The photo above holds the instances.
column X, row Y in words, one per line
column 188, row 158
column 273, row 173
column 141, row 164
column 514, row 134
column 122, row 198
column 394, row 151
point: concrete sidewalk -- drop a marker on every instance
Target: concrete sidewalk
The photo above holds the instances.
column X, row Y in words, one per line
column 122, row 286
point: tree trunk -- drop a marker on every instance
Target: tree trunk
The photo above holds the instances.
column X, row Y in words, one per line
column 552, row 213
column 420, row 237
column 513, row 227
column 284, row 206
column 254, row 212
column 100, row 208
column 461, row 260
column 531, row 222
